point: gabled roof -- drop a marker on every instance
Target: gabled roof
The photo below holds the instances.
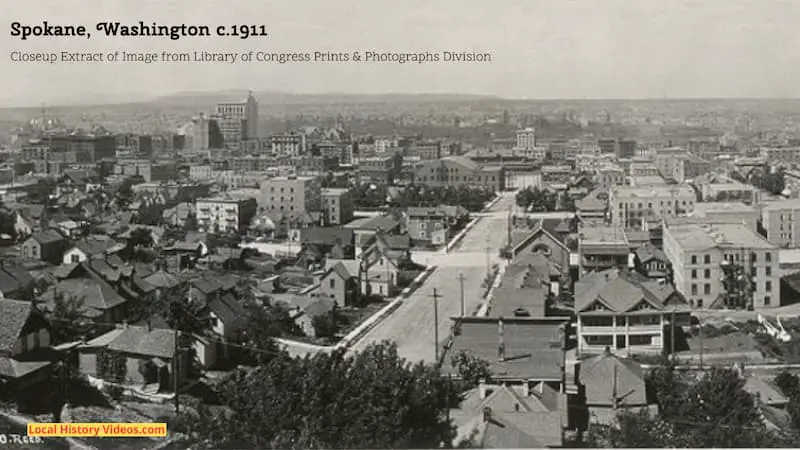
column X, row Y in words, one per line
column 341, row 271
column 157, row 343
column 622, row 291
column 227, row 308
column 320, row 306
column 598, row 376
column 162, row 280
column 47, row 237
column 95, row 293
column 95, row 245
column 384, row 223
column 13, row 316
column 649, row 252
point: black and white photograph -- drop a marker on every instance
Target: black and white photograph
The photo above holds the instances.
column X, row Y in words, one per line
column 320, row 224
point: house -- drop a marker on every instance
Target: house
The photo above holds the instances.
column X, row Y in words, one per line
column 318, row 306
column 340, row 282
column 626, row 312
column 608, row 384
column 16, row 281
column 163, row 282
column 147, row 353
column 433, row 226
column 365, row 229
column 652, row 262
column 23, row 225
column 381, row 261
column 227, row 317
column 497, row 416
column 24, row 341
column 335, row 242
column 94, row 246
column 184, row 254
column 548, row 237
column 46, row 245
column 100, row 302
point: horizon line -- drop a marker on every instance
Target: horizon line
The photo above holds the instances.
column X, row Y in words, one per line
column 200, row 93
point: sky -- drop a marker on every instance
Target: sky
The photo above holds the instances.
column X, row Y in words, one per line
column 540, row 48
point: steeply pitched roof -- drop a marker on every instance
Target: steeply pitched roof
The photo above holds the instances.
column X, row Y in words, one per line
column 47, row 237
column 157, row 342
column 598, row 376
column 95, row 293
column 13, row 316
column 649, row 252
column 384, row 223
column 162, row 279
column 227, row 308
column 95, row 245
column 621, row 290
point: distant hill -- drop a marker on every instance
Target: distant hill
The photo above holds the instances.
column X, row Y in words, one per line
column 204, row 98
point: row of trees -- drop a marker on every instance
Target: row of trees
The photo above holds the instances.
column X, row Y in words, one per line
column 541, row 200
column 370, row 196
column 709, row 411
column 375, row 399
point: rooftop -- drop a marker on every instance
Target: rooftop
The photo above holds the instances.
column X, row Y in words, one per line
column 602, row 234
column 652, row 191
column 693, row 236
column 793, row 203
column 702, row 209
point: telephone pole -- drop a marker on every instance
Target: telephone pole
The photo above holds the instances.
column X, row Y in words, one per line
column 436, row 324
column 672, row 333
column 176, row 370
column 461, row 281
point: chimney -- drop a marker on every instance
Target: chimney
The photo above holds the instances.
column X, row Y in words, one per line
column 526, row 389
column 501, row 347
column 607, row 351
column 487, row 414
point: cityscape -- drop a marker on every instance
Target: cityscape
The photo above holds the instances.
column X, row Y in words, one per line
column 558, row 274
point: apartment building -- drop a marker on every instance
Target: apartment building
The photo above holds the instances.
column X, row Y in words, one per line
column 291, row 195
column 380, row 169
column 430, row 150
column 729, row 191
column 609, row 175
column 638, row 168
column 779, row 219
column 588, row 162
column 645, row 206
column 224, row 214
column 337, row 206
column 722, row 264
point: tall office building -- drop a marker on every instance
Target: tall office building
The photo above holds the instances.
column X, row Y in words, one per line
column 244, row 113
column 526, row 139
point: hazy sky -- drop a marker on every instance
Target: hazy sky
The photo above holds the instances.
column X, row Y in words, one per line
column 541, row 48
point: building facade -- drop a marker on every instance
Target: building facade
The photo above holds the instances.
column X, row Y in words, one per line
column 644, row 206
column 337, row 206
column 706, row 258
column 291, row 195
column 224, row 214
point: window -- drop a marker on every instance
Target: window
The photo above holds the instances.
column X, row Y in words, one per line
column 768, row 257
column 768, row 286
column 599, row 340
column 707, row 259
column 768, row 271
column 694, row 289
column 707, row 289
column 767, row 300
column 333, row 283
column 694, row 260
column 640, row 340
column 707, row 273
column 75, row 258
column 694, row 274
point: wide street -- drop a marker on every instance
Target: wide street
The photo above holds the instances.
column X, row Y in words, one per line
column 411, row 326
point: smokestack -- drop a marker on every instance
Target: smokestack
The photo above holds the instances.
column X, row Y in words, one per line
column 487, row 414
column 482, row 391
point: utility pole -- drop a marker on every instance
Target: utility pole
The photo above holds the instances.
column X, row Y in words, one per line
column 701, row 345
column 614, row 399
column 176, row 370
column 436, row 323
column 461, row 281
column 672, row 333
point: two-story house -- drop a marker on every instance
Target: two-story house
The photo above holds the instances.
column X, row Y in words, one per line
column 381, row 261
column 340, row 282
column 624, row 311
column 24, row 339
column 94, row 246
column 46, row 245
column 433, row 226
column 651, row 262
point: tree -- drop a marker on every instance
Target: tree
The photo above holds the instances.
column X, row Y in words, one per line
column 325, row 325
column 264, row 322
column 470, row 368
column 67, row 319
column 374, row 399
